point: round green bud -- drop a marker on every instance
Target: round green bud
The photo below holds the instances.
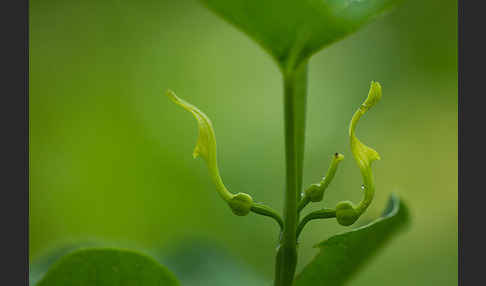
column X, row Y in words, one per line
column 315, row 193
column 346, row 213
column 241, row 204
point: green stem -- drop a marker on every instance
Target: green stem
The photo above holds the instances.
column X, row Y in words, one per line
column 320, row 214
column 303, row 203
column 264, row 210
column 295, row 95
column 315, row 192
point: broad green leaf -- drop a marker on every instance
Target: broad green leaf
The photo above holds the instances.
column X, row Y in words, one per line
column 342, row 255
column 39, row 266
column 107, row 267
column 292, row 30
column 198, row 262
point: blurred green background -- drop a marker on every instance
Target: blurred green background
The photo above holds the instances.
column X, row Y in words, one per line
column 110, row 155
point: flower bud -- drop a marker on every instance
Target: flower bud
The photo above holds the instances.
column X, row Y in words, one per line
column 241, row 204
column 346, row 213
column 316, row 191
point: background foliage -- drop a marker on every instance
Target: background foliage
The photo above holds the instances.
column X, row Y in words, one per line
column 110, row 157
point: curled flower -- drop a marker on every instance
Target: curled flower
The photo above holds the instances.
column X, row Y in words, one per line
column 346, row 212
column 239, row 203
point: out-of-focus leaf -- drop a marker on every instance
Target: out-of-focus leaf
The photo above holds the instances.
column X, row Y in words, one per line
column 342, row 255
column 107, row 267
column 40, row 265
column 293, row 30
column 201, row 263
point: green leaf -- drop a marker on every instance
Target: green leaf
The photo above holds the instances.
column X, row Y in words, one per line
column 292, row 30
column 342, row 255
column 107, row 267
column 39, row 266
column 198, row 262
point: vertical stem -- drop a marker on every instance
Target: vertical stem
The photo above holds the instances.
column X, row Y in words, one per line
column 295, row 95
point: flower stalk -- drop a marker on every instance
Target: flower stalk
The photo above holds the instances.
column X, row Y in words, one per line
column 241, row 204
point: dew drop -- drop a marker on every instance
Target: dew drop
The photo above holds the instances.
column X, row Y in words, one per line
column 363, row 187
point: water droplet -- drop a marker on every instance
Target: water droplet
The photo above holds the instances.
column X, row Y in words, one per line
column 363, row 187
